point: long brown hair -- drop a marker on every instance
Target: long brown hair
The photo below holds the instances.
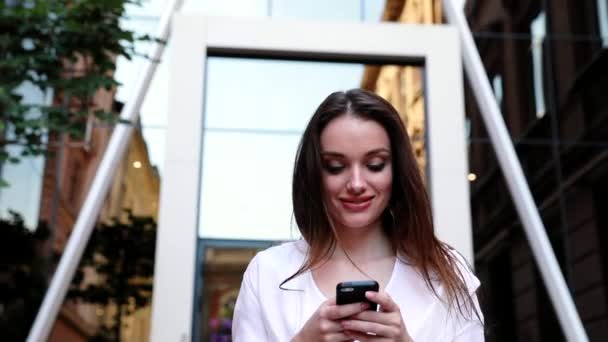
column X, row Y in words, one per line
column 407, row 220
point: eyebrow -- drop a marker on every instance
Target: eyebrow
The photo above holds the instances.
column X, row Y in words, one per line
column 369, row 153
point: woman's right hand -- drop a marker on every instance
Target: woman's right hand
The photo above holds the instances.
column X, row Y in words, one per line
column 324, row 324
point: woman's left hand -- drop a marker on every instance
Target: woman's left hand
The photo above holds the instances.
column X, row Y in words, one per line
column 385, row 325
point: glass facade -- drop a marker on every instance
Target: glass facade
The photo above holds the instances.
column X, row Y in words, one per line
column 255, row 112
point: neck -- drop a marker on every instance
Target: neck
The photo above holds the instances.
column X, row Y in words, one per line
column 363, row 244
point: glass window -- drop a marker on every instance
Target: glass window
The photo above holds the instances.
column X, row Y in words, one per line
column 213, row 7
column 255, row 113
column 221, row 270
column 317, row 9
column 23, row 193
column 255, row 94
column 497, row 85
column 372, row 10
column 246, row 185
column 25, row 178
column 538, row 28
column 227, row 7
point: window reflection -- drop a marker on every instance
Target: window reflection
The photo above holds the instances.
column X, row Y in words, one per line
column 246, row 185
column 497, row 86
column 255, row 112
column 25, row 187
column 538, row 28
column 222, row 266
column 256, row 94
column 25, row 178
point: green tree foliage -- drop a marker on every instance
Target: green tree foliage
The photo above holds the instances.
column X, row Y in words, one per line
column 40, row 40
column 122, row 255
column 22, row 276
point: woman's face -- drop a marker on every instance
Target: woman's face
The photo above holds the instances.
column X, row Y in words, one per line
column 357, row 171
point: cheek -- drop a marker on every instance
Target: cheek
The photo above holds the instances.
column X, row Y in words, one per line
column 330, row 188
column 384, row 182
column 384, row 190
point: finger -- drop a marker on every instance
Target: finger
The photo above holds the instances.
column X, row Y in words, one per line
column 326, row 326
column 386, row 302
column 337, row 337
column 381, row 330
column 387, row 318
column 363, row 337
column 334, row 312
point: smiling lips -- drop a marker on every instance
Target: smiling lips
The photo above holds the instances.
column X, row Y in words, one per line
column 356, row 203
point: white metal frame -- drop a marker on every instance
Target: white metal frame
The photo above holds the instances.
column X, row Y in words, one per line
column 194, row 36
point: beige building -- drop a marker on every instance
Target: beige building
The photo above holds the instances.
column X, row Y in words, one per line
column 403, row 86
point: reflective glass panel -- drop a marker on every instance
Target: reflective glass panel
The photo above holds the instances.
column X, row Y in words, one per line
column 255, row 112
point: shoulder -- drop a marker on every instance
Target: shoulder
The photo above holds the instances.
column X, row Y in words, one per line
column 290, row 249
column 464, row 270
column 285, row 254
column 278, row 262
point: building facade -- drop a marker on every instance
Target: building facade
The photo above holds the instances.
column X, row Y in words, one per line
column 547, row 62
column 66, row 180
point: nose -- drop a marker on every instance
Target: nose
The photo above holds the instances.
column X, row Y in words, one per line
column 356, row 183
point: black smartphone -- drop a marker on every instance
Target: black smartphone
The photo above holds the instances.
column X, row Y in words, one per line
column 354, row 292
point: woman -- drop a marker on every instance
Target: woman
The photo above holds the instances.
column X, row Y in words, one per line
column 362, row 209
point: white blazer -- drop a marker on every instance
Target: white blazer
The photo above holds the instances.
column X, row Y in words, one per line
column 264, row 312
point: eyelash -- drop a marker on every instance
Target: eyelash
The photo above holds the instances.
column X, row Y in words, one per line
column 332, row 169
column 376, row 167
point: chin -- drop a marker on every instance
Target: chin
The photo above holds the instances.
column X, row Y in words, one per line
column 356, row 223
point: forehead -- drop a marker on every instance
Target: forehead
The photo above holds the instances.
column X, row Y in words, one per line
column 351, row 135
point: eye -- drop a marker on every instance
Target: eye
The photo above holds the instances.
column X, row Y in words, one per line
column 376, row 167
column 333, row 168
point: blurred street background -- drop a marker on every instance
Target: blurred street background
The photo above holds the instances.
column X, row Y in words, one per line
column 68, row 67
